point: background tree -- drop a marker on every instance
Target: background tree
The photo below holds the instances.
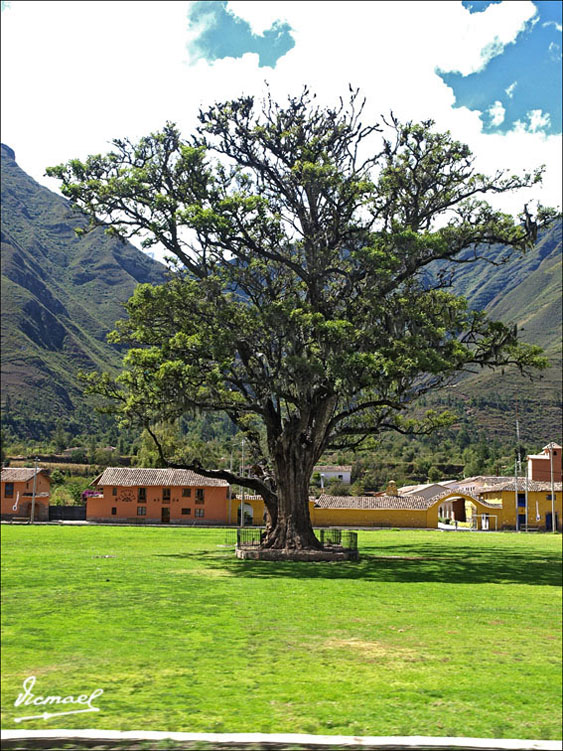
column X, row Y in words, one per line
column 300, row 301
column 60, row 438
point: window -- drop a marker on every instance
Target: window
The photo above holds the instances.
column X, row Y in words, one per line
column 166, row 495
column 521, row 499
column 141, row 510
column 199, row 497
column 114, row 511
column 199, row 512
column 548, row 497
column 186, row 492
column 114, row 491
column 9, row 490
column 142, row 495
column 187, row 511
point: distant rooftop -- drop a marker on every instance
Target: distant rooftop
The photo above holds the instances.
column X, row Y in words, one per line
column 383, row 502
column 132, row 477
column 391, row 502
column 20, row 474
column 533, row 485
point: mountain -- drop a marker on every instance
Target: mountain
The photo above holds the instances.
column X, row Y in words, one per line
column 525, row 291
column 61, row 294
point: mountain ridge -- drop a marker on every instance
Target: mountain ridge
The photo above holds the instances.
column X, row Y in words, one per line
column 61, row 295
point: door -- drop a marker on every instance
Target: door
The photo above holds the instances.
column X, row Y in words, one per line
column 548, row 522
column 165, row 515
column 521, row 521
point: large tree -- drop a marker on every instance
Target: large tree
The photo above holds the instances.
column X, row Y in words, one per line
column 309, row 295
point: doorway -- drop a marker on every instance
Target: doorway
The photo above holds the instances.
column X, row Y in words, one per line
column 165, row 516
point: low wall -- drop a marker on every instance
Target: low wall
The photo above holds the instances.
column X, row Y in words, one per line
column 112, row 740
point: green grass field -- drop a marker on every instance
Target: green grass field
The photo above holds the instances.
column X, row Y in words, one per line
column 429, row 634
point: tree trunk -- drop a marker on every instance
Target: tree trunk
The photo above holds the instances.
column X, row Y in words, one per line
column 292, row 529
column 294, row 448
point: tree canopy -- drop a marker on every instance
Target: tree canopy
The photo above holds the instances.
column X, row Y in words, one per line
column 309, row 294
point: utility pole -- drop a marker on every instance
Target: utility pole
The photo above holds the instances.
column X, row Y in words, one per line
column 32, row 517
column 553, row 517
column 526, row 496
column 230, row 494
column 518, row 441
column 516, row 493
column 242, row 493
column 518, row 472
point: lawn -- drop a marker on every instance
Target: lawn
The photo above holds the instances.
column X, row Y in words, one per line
column 430, row 633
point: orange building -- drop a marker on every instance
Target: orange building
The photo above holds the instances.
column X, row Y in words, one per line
column 541, row 465
column 176, row 496
column 17, row 493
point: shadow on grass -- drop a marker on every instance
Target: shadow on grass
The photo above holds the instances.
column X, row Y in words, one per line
column 413, row 563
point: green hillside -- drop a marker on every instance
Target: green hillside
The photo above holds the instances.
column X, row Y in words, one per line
column 526, row 291
column 60, row 296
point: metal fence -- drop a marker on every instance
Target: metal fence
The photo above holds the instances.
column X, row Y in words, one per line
column 252, row 537
column 344, row 538
column 69, row 513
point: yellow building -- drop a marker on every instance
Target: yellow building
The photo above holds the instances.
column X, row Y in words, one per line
column 386, row 510
column 407, row 511
column 532, row 509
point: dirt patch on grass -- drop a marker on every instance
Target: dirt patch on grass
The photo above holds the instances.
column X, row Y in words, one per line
column 211, row 573
column 374, row 650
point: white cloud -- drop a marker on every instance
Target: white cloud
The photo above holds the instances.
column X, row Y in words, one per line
column 553, row 23
column 537, row 121
column 479, row 37
column 76, row 75
column 496, row 112
column 510, row 90
column 554, row 51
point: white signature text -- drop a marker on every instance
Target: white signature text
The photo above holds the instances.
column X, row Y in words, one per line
column 28, row 698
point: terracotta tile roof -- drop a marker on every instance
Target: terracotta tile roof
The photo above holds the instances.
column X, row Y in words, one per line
column 488, row 480
column 382, row 502
column 533, row 485
column 20, row 474
column 390, row 502
column 133, row 477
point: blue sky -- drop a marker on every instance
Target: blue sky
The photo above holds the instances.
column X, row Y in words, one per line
column 524, row 78
column 76, row 75
column 226, row 35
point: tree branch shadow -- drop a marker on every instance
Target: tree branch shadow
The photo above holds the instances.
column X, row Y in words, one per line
column 406, row 563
